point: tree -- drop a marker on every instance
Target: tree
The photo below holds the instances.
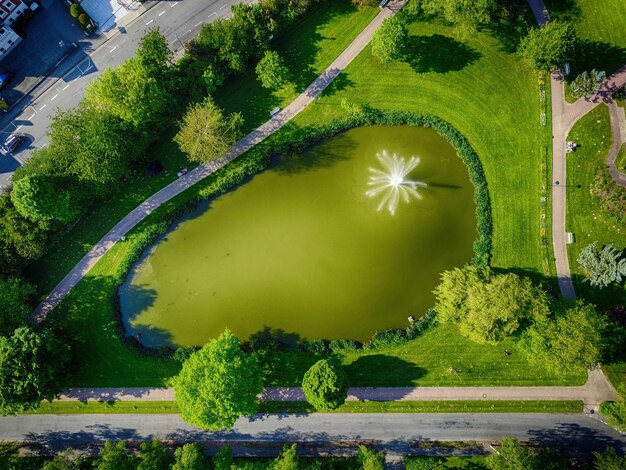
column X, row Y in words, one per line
column 20, row 238
column 218, row 384
column 369, row 459
column 272, row 71
column 512, row 456
column 113, row 456
column 287, row 460
column 154, row 455
column 63, row 461
column 38, row 198
column 14, row 307
column 497, row 308
column 223, row 459
column 154, row 54
column 325, row 385
column 31, row 368
column 609, row 460
column 464, row 15
column 389, row 40
column 570, row 342
column 205, row 134
column 190, row 457
column 587, row 83
column 549, row 47
column 365, row 3
column 488, row 307
column 602, row 267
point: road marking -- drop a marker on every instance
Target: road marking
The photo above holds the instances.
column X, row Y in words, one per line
column 31, row 116
column 43, row 107
column 149, row 22
column 18, row 128
column 113, row 48
column 222, row 7
column 54, row 97
column 198, row 24
column 162, row 13
column 172, row 5
column 212, row 14
column 66, row 86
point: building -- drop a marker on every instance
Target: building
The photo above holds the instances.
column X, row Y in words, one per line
column 11, row 10
column 8, row 40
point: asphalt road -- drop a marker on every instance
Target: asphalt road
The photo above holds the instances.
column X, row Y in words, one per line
column 179, row 22
column 394, row 432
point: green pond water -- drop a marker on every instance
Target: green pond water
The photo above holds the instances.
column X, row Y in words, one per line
column 301, row 247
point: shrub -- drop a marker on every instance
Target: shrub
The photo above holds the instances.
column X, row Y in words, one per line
column 390, row 337
column 315, row 346
column 428, row 321
column 343, row 346
column 325, row 385
column 76, row 10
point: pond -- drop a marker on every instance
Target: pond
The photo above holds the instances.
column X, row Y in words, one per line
column 315, row 246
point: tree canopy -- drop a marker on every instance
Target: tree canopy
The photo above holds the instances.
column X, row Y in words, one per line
column 218, row 384
column 325, row 385
column 31, row 367
column 40, row 199
column 390, row 40
column 488, row 307
column 287, row 460
column 154, row 455
column 464, row 15
column 569, row 342
column 549, row 47
column 205, row 134
column 114, row 456
column 511, row 455
column 14, row 307
column 587, row 83
column 190, row 457
column 602, row 267
column 272, row 71
column 369, row 459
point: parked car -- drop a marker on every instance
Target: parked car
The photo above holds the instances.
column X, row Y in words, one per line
column 12, row 142
column 5, row 78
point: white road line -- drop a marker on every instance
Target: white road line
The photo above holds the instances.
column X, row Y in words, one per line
column 172, row 5
column 43, row 107
column 162, row 13
column 113, row 48
column 66, row 86
column 222, row 7
column 198, row 24
column 54, row 97
column 149, row 22
column 31, row 116
column 18, row 128
column 212, row 14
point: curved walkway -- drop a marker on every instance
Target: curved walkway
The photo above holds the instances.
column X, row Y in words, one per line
column 201, row 172
column 596, row 390
column 564, row 116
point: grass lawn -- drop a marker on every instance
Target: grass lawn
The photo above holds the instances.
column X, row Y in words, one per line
column 601, row 25
column 449, row 406
column 585, row 217
column 620, row 161
column 484, row 92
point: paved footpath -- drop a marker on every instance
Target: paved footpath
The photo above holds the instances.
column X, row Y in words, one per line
column 564, row 116
column 202, row 171
column 596, row 390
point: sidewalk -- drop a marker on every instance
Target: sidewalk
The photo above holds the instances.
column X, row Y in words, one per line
column 596, row 390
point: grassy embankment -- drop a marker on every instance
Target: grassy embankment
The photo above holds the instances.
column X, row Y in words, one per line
column 483, row 91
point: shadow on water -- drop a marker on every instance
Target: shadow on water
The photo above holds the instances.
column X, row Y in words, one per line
column 438, row 54
column 378, row 368
column 317, row 156
column 442, row 185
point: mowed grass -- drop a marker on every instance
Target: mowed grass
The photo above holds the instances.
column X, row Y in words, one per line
column 277, row 407
column 488, row 95
column 308, row 48
column 620, row 161
column 586, row 219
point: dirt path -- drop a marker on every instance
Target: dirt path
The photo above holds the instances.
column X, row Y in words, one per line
column 201, row 172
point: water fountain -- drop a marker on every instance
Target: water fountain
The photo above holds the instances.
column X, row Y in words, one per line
column 391, row 182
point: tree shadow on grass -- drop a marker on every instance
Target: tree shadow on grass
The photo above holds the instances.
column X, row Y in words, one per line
column 341, row 83
column 563, row 10
column 438, row 54
column 596, row 55
column 376, row 369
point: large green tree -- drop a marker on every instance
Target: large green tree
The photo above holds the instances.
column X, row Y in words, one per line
column 223, row 459
column 114, row 456
column 190, row 457
column 31, row 367
column 325, row 385
column 14, row 307
column 21, row 239
column 39, row 198
column 587, row 83
column 390, row 40
column 572, row 341
column 602, row 267
column 154, row 455
column 272, row 71
column 511, row 455
column 287, row 460
column 218, row 384
column 549, row 47
column 369, row 459
column 486, row 306
column 205, row 133
column 464, row 15
column 609, row 459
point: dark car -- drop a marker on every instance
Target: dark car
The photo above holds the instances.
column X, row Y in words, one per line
column 13, row 142
column 5, row 78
